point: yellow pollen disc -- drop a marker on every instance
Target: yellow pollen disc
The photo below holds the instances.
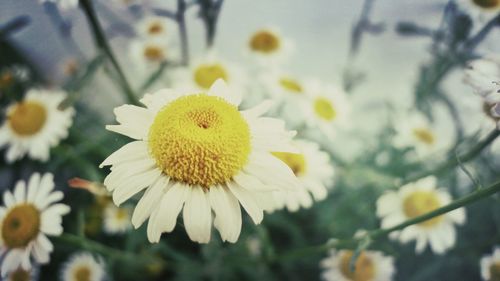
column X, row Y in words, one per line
column 155, row 28
column 20, row 275
column 200, row 140
column 424, row 135
column 364, row 267
column 206, row 74
column 487, row 4
column 154, row 53
column 296, row 162
column 27, row 118
column 121, row 214
column 264, row 41
column 82, row 274
column 20, row 226
column 324, row 109
column 495, row 271
column 291, row 85
column 419, row 203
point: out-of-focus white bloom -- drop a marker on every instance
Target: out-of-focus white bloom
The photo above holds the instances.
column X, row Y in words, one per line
column 268, row 47
column 63, row 4
column 490, row 266
column 327, row 107
column 83, row 266
column 29, row 214
column 160, row 27
column 370, row 266
column 196, row 152
column 313, row 168
column 149, row 53
column 35, row 124
column 116, row 220
column 21, row 274
column 254, row 246
column 415, row 131
column 416, row 199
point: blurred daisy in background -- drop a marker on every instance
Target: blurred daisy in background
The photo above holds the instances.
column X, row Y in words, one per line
column 116, row 220
column 490, row 266
column 327, row 107
column 21, row 274
column 35, row 124
column 155, row 26
column 313, row 168
column 30, row 214
column 426, row 139
column 148, row 53
column 268, row 48
column 370, row 266
column 416, row 199
column 83, row 266
column 197, row 152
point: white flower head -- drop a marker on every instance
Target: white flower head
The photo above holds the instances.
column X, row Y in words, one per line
column 313, row 168
column 370, row 266
column 157, row 27
column 116, row 220
column 149, row 53
column 35, row 124
column 268, row 47
column 195, row 152
column 490, row 266
column 30, row 214
column 416, row 199
column 83, row 266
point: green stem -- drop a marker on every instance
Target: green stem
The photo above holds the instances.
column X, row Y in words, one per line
column 378, row 233
column 103, row 44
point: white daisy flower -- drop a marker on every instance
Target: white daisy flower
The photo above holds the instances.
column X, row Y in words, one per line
column 21, row 274
column 268, row 46
column 416, row 199
column 313, row 168
column 281, row 85
column 149, row 53
column 63, row 4
column 29, row 215
column 83, row 266
column 327, row 107
column 35, row 124
column 155, row 26
column 197, row 152
column 490, row 266
column 415, row 131
column 116, row 219
column 370, row 266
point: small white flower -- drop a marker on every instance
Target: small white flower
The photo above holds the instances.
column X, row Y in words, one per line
column 416, row 199
column 313, row 168
column 155, row 26
column 149, row 53
column 116, row 219
column 63, row 4
column 83, row 266
column 268, row 47
column 29, row 214
column 370, row 266
column 490, row 266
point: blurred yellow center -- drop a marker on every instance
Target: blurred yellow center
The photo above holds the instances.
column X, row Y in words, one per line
column 206, row 74
column 495, row 271
column 27, row 118
column 487, row 4
column 122, row 214
column 155, row 28
column 20, row 226
column 324, row 109
column 200, row 140
column 291, row 85
column 296, row 162
column 422, row 202
column 424, row 135
column 154, row 53
column 364, row 267
column 20, row 275
column 6, row 79
column 265, row 41
column 82, row 273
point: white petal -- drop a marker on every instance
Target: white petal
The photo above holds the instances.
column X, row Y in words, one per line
column 20, row 191
column 220, row 89
column 149, row 201
column 130, row 151
column 247, row 201
column 197, row 215
column 33, row 186
column 227, row 213
column 135, row 185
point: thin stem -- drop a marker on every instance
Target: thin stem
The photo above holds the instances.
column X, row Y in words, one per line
column 209, row 12
column 102, row 43
column 181, row 9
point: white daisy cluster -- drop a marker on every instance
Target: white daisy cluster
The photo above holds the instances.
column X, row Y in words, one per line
column 83, row 266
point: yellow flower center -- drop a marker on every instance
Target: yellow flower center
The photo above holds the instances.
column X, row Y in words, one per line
column 364, row 267
column 296, row 162
column 155, row 28
column 20, row 275
column 495, row 271
column 6, row 79
column 206, row 74
column 487, row 4
column 291, row 85
column 422, row 202
column 154, row 53
column 265, row 41
column 20, row 226
column 27, row 118
column 122, row 214
column 82, row 273
column 324, row 109
column 200, row 140
column 424, row 135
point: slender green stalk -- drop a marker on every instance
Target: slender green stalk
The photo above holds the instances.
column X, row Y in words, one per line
column 181, row 10
column 102, row 43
